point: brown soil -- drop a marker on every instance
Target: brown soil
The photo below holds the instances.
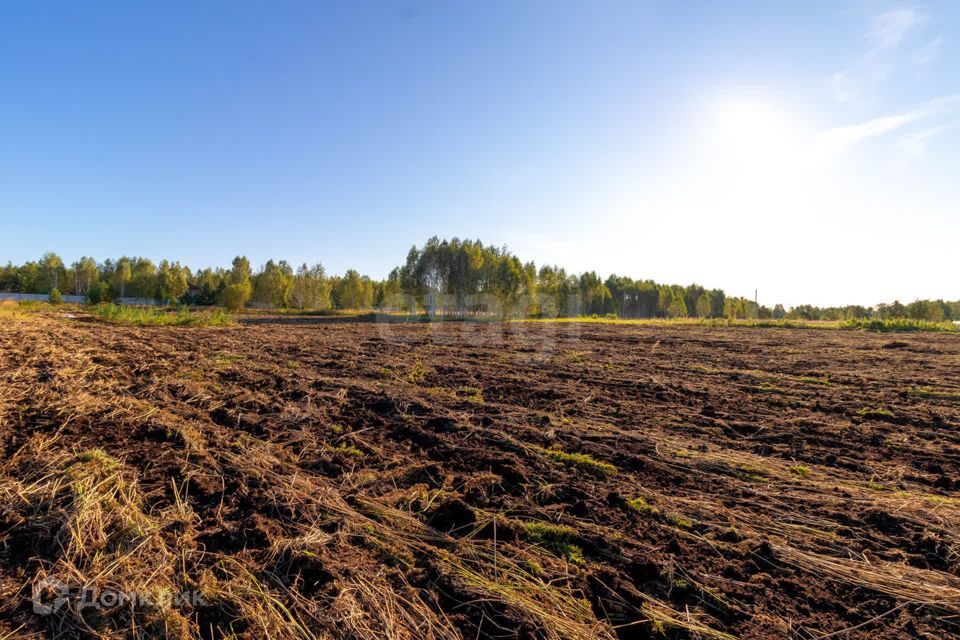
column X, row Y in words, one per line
column 338, row 479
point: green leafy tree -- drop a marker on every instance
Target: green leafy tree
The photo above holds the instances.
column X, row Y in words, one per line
column 703, row 306
column 310, row 288
column 171, row 281
column 271, row 287
column 85, row 275
column 143, row 279
column 238, row 288
column 677, row 308
column 207, row 283
column 53, row 271
column 353, row 291
column 122, row 275
column 931, row 310
column 234, row 296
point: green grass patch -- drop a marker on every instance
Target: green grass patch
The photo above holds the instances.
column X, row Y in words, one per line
column 640, row 505
column 472, row 394
column 96, row 456
column 752, row 473
column 582, row 461
column 572, row 355
column 768, row 387
column 418, row 373
column 225, row 358
column 930, row 392
column 644, row 508
column 468, row 394
column 679, row 521
column 815, row 380
column 559, row 539
column 704, row 369
column 800, row 470
column 347, row 451
column 745, row 471
column 158, row 317
column 441, row 392
column 876, row 413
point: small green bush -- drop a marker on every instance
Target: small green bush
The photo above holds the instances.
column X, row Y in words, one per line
column 235, row 296
column 99, row 293
column 56, row 297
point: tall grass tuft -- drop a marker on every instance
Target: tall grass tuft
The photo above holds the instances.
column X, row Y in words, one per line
column 150, row 317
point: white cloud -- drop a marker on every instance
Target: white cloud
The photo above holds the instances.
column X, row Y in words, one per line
column 842, row 139
column 929, row 52
column 890, row 28
column 852, row 83
column 874, row 66
column 915, row 144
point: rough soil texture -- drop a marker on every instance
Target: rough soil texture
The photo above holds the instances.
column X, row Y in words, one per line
column 316, row 478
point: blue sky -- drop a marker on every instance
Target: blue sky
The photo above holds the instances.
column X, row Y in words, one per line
column 809, row 150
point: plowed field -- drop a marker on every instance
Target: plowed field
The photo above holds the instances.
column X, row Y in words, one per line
column 328, row 478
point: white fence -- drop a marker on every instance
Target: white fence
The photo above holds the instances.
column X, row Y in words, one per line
column 137, row 302
column 39, row 297
column 43, row 297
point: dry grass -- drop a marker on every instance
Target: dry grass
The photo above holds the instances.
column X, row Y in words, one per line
column 92, row 508
column 114, row 524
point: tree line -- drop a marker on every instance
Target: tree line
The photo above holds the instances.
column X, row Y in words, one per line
column 275, row 285
column 460, row 277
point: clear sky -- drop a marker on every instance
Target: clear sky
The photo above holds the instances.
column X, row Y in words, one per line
column 808, row 149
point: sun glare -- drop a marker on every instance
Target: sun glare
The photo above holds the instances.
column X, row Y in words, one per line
column 756, row 141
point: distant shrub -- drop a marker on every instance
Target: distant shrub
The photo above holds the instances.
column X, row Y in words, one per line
column 899, row 324
column 99, row 293
column 56, row 297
